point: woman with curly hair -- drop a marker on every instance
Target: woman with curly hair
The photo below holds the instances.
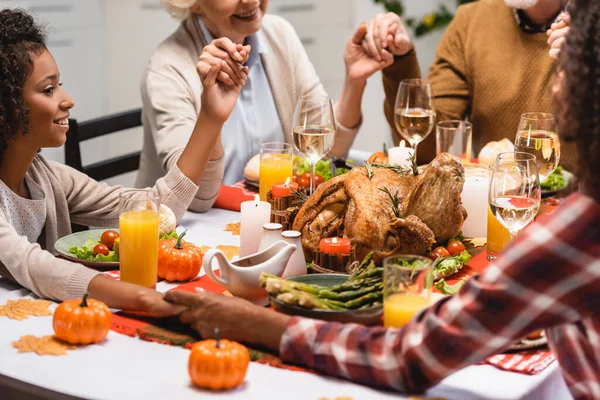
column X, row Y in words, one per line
column 242, row 36
column 548, row 278
column 39, row 198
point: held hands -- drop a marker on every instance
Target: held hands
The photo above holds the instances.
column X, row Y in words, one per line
column 222, row 72
column 206, row 311
column 360, row 65
column 557, row 35
column 154, row 304
column 386, row 32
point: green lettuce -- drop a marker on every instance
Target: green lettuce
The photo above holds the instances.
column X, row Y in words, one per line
column 85, row 252
column 446, row 266
column 555, row 181
column 322, row 168
column 449, row 289
column 172, row 234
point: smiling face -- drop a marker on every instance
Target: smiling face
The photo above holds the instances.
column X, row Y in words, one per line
column 235, row 19
column 47, row 102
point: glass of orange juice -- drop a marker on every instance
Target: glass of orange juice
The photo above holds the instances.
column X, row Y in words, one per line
column 276, row 165
column 498, row 237
column 407, row 284
column 138, row 225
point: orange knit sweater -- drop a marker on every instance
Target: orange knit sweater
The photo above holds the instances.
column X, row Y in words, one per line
column 485, row 69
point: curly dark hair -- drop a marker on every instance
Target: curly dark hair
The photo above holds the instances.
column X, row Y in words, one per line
column 579, row 103
column 20, row 37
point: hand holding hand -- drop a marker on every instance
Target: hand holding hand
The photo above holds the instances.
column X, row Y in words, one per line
column 222, row 74
column 237, row 319
column 557, row 35
column 154, row 304
column 386, row 31
column 360, row 65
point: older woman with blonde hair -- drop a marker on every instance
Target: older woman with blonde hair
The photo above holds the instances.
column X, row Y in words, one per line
column 263, row 53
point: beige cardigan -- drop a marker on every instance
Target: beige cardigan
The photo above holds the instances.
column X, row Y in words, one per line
column 171, row 91
column 72, row 196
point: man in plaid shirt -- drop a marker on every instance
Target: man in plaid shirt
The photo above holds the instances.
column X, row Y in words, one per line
column 548, row 278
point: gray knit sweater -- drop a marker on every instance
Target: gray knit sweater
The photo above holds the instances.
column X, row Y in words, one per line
column 70, row 196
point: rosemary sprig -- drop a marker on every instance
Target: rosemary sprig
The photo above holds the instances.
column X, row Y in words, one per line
column 413, row 164
column 395, row 201
column 397, row 168
column 300, row 197
column 369, row 168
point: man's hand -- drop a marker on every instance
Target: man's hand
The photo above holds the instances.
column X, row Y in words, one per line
column 386, row 31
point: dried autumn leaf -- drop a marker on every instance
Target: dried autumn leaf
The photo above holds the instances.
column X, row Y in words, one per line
column 234, row 228
column 477, row 242
column 45, row 345
column 21, row 309
column 204, row 249
column 229, row 251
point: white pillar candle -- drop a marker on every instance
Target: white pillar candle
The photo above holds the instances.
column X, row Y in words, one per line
column 475, row 201
column 401, row 155
column 255, row 214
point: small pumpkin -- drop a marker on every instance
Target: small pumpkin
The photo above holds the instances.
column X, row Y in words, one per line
column 178, row 260
column 81, row 321
column 218, row 364
column 380, row 157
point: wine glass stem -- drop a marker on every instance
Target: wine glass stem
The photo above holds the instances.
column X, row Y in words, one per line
column 414, row 147
column 512, row 235
column 313, row 172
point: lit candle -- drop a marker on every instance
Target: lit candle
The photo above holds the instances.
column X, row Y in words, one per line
column 279, row 190
column 475, row 201
column 254, row 214
column 335, row 245
column 401, row 155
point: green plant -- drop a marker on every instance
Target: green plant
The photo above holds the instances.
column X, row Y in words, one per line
column 430, row 22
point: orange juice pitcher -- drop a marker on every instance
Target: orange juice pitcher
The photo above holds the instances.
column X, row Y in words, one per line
column 138, row 224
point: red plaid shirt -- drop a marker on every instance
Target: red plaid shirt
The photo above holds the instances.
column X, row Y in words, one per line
column 548, row 278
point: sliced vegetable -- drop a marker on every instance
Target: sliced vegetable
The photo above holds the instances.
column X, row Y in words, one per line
column 443, row 267
column 555, row 181
column 101, row 248
column 449, row 289
column 170, row 235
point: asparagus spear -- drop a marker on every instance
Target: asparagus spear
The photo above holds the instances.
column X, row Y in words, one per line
column 369, row 305
column 367, row 298
column 274, row 285
column 303, row 299
column 354, row 285
column 374, row 272
column 363, row 266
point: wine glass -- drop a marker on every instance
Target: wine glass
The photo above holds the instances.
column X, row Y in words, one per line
column 414, row 113
column 314, row 128
column 515, row 192
column 537, row 135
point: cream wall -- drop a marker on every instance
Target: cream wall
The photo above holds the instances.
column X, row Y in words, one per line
column 102, row 46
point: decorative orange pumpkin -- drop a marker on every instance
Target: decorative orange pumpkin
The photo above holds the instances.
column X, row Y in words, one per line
column 178, row 260
column 218, row 364
column 380, row 157
column 81, row 321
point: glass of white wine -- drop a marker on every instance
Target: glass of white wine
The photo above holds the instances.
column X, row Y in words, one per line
column 537, row 135
column 314, row 128
column 515, row 192
column 414, row 113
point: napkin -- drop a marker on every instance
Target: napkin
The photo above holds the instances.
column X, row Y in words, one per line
column 529, row 362
column 231, row 197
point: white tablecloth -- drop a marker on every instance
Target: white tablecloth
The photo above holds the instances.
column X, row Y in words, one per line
column 128, row 368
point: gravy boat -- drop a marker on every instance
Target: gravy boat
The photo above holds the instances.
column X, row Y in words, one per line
column 241, row 277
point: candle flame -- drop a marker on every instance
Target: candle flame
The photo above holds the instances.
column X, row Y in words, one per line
column 287, row 181
column 256, row 200
column 402, row 144
column 334, row 240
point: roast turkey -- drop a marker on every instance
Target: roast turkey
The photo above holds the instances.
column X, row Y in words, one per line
column 354, row 207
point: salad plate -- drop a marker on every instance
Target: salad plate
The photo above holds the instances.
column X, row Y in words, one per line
column 549, row 185
column 83, row 241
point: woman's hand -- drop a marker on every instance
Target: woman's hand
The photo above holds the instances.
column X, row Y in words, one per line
column 557, row 35
column 360, row 65
column 222, row 74
column 153, row 303
column 386, row 31
column 237, row 319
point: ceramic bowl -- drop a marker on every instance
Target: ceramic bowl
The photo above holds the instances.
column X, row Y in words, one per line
column 367, row 316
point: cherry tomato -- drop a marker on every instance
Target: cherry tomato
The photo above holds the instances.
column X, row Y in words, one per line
column 303, row 182
column 439, row 251
column 534, row 335
column 295, row 178
column 455, row 247
column 108, row 238
column 306, row 175
column 318, row 180
column 101, row 249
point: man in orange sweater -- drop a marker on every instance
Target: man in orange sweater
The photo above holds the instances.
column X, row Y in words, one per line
column 491, row 66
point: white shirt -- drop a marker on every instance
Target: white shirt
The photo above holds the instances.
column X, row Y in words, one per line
column 254, row 119
column 27, row 216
